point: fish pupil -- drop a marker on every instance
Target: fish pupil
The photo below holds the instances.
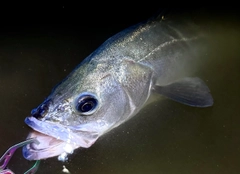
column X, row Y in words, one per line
column 86, row 104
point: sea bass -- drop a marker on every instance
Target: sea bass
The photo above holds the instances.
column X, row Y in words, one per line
column 114, row 83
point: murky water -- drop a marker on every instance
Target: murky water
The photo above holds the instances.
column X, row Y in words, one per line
column 166, row 137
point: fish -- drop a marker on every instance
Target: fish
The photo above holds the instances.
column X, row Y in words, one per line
column 114, row 83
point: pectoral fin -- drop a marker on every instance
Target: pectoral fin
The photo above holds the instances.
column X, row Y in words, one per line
column 189, row 91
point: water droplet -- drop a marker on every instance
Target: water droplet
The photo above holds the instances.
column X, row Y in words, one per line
column 63, row 157
column 68, row 149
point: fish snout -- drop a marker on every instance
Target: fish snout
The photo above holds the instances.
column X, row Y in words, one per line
column 42, row 110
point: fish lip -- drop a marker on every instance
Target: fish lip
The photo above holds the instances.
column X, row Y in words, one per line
column 57, row 131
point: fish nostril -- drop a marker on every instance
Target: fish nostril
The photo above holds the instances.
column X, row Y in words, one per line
column 33, row 111
column 42, row 110
column 37, row 113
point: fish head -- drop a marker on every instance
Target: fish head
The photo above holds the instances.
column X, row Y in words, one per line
column 87, row 104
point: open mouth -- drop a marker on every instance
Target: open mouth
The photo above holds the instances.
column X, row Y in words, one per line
column 55, row 139
column 48, row 147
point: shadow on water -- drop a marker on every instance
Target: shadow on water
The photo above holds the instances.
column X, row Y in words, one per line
column 166, row 137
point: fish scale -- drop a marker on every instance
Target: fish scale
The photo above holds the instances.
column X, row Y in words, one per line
column 114, row 83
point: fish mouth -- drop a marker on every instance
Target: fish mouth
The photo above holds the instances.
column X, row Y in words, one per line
column 54, row 139
column 48, row 147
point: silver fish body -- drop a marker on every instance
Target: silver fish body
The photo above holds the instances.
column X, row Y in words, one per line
column 113, row 83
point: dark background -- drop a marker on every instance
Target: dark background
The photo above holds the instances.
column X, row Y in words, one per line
column 41, row 43
column 88, row 16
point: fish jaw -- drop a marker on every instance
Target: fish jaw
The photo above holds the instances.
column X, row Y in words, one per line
column 54, row 139
column 48, row 147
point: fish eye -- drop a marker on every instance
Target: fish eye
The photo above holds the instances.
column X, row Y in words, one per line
column 86, row 104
